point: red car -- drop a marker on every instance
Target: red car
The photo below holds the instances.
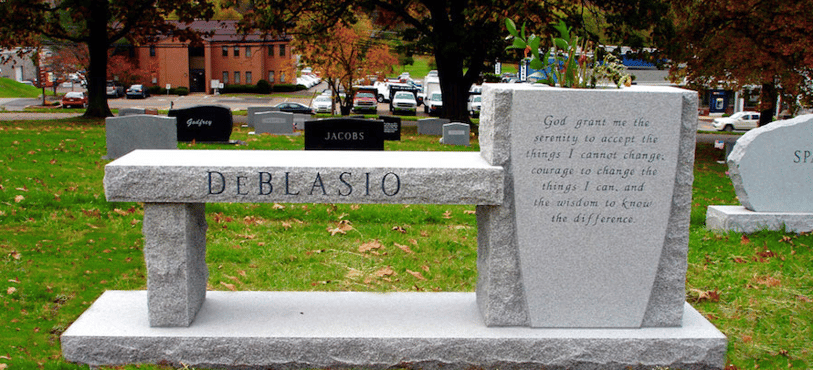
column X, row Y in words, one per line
column 74, row 99
column 365, row 102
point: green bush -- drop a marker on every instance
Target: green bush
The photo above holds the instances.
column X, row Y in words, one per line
column 288, row 87
column 158, row 90
column 263, row 87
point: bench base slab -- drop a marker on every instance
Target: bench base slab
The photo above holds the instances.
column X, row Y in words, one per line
column 248, row 330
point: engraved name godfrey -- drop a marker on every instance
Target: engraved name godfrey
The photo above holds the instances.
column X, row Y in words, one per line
column 593, row 191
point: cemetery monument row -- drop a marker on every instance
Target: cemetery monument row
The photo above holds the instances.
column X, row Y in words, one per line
column 583, row 200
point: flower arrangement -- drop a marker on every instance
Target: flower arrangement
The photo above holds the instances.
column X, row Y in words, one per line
column 567, row 63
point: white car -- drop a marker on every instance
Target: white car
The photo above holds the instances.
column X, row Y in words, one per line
column 404, row 102
column 322, row 104
column 737, row 121
column 433, row 104
column 475, row 102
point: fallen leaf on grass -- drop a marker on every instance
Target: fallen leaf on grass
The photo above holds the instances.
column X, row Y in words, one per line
column 404, row 248
column 697, row 295
column 399, row 229
column 739, row 260
column 341, row 228
column 769, row 281
column 229, row 286
column 19, row 199
column 368, row 246
column 16, row 255
column 470, row 212
column 744, row 240
column 416, row 274
column 286, row 225
column 353, row 274
column 277, row 206
column 746, row 338
column 384, row 271
column 803, row 298
column 355, row 207
column 447, row 214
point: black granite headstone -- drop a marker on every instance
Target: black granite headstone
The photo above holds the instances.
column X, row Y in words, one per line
column 392, row 128
column 203, row 123
column 344, row 134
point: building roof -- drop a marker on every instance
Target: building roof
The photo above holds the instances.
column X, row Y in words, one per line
column 226, row 31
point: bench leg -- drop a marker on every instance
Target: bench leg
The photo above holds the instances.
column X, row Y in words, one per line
column 175, row 254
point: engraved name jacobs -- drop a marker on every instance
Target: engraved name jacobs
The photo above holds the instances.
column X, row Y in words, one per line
column 344, row 184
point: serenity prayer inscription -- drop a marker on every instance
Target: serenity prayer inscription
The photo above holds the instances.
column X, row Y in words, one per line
column 593, row 191
column 596, row 168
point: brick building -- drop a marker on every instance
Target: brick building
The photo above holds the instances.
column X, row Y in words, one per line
column 224, row 56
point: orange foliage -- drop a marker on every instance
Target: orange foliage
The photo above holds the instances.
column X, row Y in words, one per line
column 344, row 54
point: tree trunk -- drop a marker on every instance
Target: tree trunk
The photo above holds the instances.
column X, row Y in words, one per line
column 97, row 69
column 767, row 104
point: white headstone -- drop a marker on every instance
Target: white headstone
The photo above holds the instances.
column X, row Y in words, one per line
column 772, row 167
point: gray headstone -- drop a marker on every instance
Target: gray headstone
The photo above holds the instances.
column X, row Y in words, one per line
column 599, row 188
column 431, row 126
column 131, row 111
column 125, row 134
column 299, row 120
column 254, row 110
column 456, row 133
column 277, row 123
column 772, row 167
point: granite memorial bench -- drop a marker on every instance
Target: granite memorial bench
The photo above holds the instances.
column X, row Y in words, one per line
column 175, row 185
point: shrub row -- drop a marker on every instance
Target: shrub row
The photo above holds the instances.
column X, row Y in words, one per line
column 262, row 87
column 158, row 90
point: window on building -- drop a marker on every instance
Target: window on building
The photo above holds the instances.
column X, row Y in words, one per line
column 152, row 50
column 271, row 76
column 237, row 78
column 248, row 78
column 237, row 51
column 225, row 51
column 248, row 51
column 282, row 50
column 282, row 76
column 270, row 50
column 225, row 77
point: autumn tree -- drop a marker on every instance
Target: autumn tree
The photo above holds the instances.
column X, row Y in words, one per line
column 344, row 54
column 462, row 35
column 97, row 24
column 733, row 43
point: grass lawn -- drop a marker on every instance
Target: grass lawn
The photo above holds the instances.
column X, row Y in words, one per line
column 13, row 89
column 62, row 244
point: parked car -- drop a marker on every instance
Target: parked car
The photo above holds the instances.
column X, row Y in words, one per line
column 365, row 101
column 294, row 107
column 433, row 104
column 404, row 102
column 74, row 99
column 323, row 104
column 737, row 121
column 475, row 103
column 115, row 89
column 137, row 91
